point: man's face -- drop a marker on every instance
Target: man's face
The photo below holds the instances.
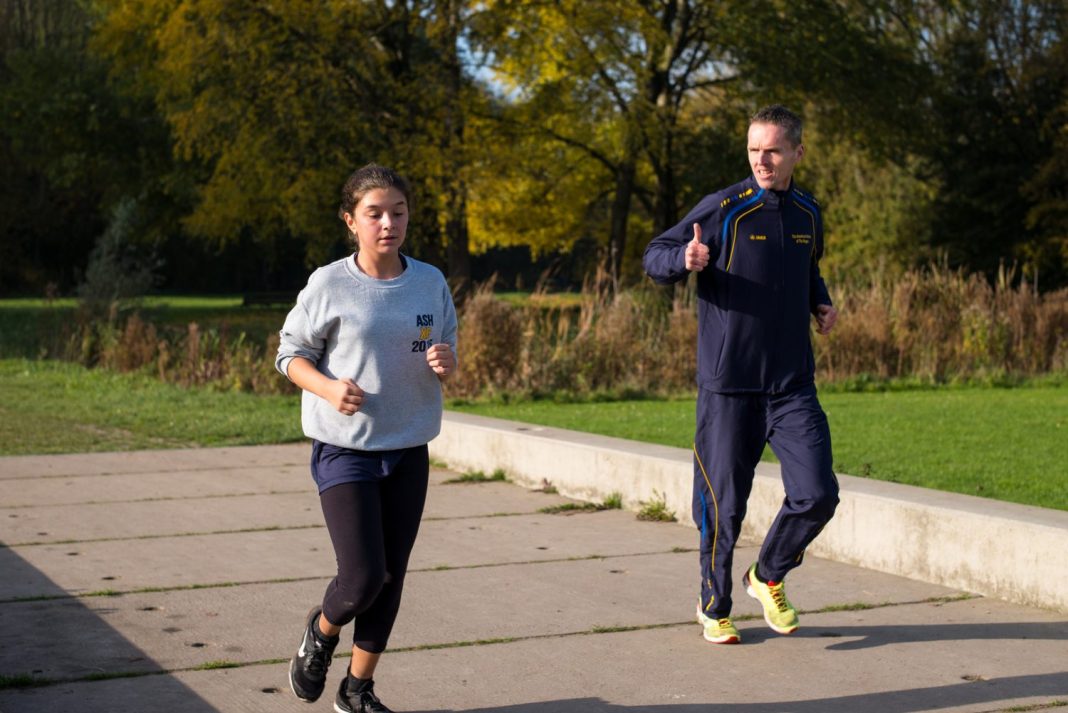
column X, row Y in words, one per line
column 772, row 156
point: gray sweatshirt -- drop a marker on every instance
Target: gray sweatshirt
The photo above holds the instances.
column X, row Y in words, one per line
column 375, row 332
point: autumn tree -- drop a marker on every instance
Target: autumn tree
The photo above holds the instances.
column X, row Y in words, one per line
column 604, row 85
column 1000, row 76
column 275, row 103
column 963, row 92
column 657, row 91
column 65, row 156
column 1048, row 193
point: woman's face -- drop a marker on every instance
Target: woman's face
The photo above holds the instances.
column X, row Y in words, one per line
column 379, row 221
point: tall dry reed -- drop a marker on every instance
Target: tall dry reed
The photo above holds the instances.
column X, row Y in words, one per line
column 932, row 324
column 189, row 357
column 637, row 341
column 942, row 325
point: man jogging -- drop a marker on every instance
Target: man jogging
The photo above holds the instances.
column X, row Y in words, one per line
column 755, row 247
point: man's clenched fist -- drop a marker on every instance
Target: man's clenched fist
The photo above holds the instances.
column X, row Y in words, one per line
column 696, row 252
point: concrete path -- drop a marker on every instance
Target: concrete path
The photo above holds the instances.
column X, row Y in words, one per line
column 178, row 581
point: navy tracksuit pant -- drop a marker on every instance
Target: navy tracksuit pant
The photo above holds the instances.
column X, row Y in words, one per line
column 732, row 430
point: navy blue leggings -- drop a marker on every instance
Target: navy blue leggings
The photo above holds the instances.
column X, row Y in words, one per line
column 373, row 525
column 732, row 430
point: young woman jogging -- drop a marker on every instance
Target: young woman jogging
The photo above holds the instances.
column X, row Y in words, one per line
column 369, row 341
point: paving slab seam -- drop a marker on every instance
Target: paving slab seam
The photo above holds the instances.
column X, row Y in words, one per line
column 163, row 536
column 459, row 518
column 162, row 498
column 327, row 576
column 23, row 681
column 1059, row 703
column 105, row 593
column 557, row 560
column 1028, row 709
column 40, row 476
column 266, row 528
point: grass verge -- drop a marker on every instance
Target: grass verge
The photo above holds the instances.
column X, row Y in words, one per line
column 1005, row 443
column 58, row 407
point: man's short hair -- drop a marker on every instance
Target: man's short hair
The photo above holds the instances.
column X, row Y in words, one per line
column 782, row 117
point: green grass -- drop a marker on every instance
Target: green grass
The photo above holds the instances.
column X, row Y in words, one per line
column 215, row 665
column 22, row 680
column 477, row 476
column 571, row 508
column 542, row 300
column 655, row 509
column 1008, row 444
column 57, row 407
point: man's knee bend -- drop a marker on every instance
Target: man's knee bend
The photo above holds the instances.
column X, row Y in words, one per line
column 818, row 502
column 826, row 503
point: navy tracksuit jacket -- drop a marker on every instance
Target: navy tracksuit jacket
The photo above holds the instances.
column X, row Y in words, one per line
column 755, row 371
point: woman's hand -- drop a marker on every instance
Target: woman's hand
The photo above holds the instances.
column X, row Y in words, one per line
column 441, row 359
column 344, row 395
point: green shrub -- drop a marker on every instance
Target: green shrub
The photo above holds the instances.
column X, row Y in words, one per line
column 655, row 509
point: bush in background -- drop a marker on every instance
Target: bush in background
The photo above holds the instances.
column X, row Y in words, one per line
column 932, row 325
column 193, row 357
column 119, row 270
column 940, row 325
column 611, row 343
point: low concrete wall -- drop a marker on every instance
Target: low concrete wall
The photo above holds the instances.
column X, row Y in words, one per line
column 997, row 549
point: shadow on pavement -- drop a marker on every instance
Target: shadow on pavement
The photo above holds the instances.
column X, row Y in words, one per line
column 866, row 637
column 904, row 701
column 48, row 638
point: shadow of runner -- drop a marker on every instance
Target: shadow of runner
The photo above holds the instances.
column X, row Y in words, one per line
column 914, row 700
column 54, row 660
column 866, row 637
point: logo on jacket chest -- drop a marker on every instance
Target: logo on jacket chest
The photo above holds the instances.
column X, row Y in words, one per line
column 798, row 238
column 425, row 323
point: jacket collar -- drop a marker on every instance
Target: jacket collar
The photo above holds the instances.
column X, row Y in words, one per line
column 770, row 197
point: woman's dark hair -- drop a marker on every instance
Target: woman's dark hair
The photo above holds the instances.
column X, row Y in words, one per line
column 367, row 179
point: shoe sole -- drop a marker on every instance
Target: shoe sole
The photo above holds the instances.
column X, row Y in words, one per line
column 777, row 629
column 293, row 686
column 722, row 639
column 292, row 665
column 731, row 639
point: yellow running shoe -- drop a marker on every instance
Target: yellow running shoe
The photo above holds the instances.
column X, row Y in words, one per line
column 718, row 631
column 779, row 613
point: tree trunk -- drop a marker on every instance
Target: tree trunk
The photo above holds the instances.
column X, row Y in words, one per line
column 666, row 212
column 458, row 249
column 617, row 237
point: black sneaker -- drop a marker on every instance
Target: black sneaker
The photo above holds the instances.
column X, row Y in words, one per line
column 349, row 700
column 307, row 671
